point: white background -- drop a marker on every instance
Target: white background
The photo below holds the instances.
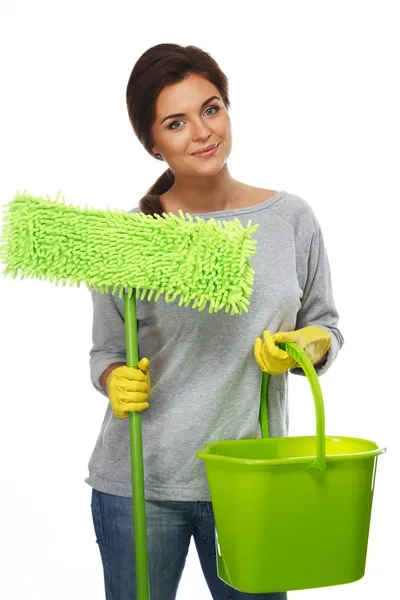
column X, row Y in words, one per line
column 315, row 112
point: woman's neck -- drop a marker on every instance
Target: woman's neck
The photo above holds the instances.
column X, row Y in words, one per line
column 203, row 194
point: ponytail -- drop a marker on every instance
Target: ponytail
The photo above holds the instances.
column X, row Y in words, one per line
column 151, row 203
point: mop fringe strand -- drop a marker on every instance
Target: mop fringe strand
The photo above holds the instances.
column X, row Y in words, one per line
column 182, row 258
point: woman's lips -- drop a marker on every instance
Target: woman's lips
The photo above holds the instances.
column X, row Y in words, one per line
column 207, row 153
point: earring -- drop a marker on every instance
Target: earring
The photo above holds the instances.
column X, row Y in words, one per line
column 158, row 157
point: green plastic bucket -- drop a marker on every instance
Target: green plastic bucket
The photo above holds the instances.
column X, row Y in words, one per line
column 291, row 513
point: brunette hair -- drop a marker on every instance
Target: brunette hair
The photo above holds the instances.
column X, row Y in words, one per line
column 158, row 67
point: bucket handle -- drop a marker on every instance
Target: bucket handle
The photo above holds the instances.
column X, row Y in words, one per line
column 296, row 352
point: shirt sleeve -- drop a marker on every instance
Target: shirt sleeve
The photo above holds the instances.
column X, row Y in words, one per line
column 317, row 305
column 108, row 335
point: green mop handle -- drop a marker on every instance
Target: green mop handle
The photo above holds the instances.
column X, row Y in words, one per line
column 135, row 431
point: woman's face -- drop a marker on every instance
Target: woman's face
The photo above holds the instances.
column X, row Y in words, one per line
column 191, row 116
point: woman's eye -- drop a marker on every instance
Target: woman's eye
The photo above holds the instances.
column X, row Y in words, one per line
column 172, row 126
column 214, row 108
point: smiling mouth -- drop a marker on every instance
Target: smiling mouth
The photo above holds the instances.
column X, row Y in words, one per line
column 210, row 151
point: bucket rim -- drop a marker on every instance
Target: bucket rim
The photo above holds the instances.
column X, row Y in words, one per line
column 204, row 454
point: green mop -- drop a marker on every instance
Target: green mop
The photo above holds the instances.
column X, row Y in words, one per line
column 197, row 263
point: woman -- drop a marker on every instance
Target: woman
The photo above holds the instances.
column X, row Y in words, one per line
column 204, row 377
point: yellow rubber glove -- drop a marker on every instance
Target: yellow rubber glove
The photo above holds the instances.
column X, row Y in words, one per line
column 269, row 357
column 129, row 389
column 315, row 341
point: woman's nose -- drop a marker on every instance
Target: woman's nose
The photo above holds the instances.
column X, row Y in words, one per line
column 200, row 131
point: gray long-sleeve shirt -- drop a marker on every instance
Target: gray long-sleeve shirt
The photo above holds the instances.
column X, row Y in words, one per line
column 205, row 380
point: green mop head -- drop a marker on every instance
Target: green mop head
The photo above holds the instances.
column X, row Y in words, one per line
column 190, row 260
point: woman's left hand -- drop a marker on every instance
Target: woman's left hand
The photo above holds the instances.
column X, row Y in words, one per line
column 315, row 341
column 270, row 358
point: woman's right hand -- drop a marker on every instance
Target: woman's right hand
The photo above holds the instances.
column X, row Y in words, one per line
column 129, row 389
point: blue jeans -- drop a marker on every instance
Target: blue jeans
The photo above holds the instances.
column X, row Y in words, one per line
column 170, row 526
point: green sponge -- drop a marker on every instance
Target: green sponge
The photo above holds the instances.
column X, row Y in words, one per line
column 193, row 261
